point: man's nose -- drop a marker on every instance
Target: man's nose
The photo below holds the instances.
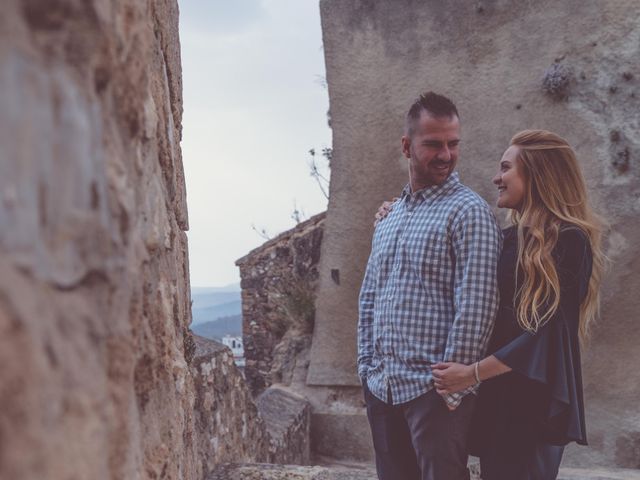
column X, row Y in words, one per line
column 444, row 154
column 497, row 178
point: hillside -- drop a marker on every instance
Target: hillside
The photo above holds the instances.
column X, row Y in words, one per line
column 210, row 304
column 216, row 329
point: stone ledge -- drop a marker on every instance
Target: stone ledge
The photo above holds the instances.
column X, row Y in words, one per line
column 598, row 474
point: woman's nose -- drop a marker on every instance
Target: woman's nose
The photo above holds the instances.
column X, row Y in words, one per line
column 497, row 179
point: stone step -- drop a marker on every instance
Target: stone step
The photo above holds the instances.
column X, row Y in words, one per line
column 264, row 471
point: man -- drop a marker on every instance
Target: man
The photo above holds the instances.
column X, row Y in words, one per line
column 429, row 295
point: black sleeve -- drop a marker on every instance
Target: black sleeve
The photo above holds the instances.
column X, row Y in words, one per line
column 552, row 355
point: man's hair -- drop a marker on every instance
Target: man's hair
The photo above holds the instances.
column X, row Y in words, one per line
column 437, row 106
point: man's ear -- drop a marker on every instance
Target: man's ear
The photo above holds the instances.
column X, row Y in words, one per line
column 406, row 146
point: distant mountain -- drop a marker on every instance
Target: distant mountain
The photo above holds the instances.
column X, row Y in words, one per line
column 231, row 325
column 211, row 303
column 204, row 300
column 233, row 287
column 209, row 314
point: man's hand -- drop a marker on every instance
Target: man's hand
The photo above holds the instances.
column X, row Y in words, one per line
column 452, row 377
column 383, row 211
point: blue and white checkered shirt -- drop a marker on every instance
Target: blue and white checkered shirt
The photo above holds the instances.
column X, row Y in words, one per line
column 430, row 290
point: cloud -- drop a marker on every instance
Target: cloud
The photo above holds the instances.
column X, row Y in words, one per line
column 252, row 109
column 220, row 17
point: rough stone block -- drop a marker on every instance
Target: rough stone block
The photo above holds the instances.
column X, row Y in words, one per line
column 287, row 419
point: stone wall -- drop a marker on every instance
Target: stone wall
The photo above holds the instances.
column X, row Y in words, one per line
column 94, row 290
column 278, row 293
column 100, row 376
column 570, row 67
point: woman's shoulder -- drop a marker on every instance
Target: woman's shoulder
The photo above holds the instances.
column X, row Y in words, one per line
column 572, row 242
column 573, row 252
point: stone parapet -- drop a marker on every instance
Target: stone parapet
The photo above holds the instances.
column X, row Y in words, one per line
column 228, row 425
column 231, row 427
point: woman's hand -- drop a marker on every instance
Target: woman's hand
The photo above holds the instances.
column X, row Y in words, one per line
column 383, row 211
column 450, row 377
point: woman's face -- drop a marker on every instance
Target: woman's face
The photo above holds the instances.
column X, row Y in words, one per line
column 509, row 180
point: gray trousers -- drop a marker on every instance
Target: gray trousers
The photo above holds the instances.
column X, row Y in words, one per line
column 420, row 439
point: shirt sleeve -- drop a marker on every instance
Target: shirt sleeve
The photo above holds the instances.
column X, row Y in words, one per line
column 551, row 356
column 476, row 244
column 365, row 319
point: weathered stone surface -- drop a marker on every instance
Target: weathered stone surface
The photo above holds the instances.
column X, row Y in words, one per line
column 278, row 293
column 229, row 426
column 492, row 61
column 342, row 436
column 328, row 471
column 94, row 291
column 290, row 472
column 287, row 417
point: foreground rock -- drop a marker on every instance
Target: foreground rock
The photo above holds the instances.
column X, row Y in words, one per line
column 94, row 289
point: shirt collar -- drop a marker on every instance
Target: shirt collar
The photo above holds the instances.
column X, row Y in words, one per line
column 434, row 191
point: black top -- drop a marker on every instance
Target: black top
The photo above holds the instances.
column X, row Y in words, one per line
column 540, row 400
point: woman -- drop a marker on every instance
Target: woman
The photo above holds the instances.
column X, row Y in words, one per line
column 530, row 402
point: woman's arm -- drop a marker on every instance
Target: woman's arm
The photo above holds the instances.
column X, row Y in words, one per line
column 450, row 377
column 531, row 354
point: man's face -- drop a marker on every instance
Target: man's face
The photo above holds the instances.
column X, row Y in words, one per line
column 432, row 150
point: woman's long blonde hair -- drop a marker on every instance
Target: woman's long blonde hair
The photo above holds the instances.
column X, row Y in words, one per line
column 555, row 195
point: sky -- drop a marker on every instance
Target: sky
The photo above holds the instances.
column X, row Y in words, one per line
column 255, row 102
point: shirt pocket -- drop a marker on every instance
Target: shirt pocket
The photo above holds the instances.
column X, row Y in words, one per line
column 428, row 254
